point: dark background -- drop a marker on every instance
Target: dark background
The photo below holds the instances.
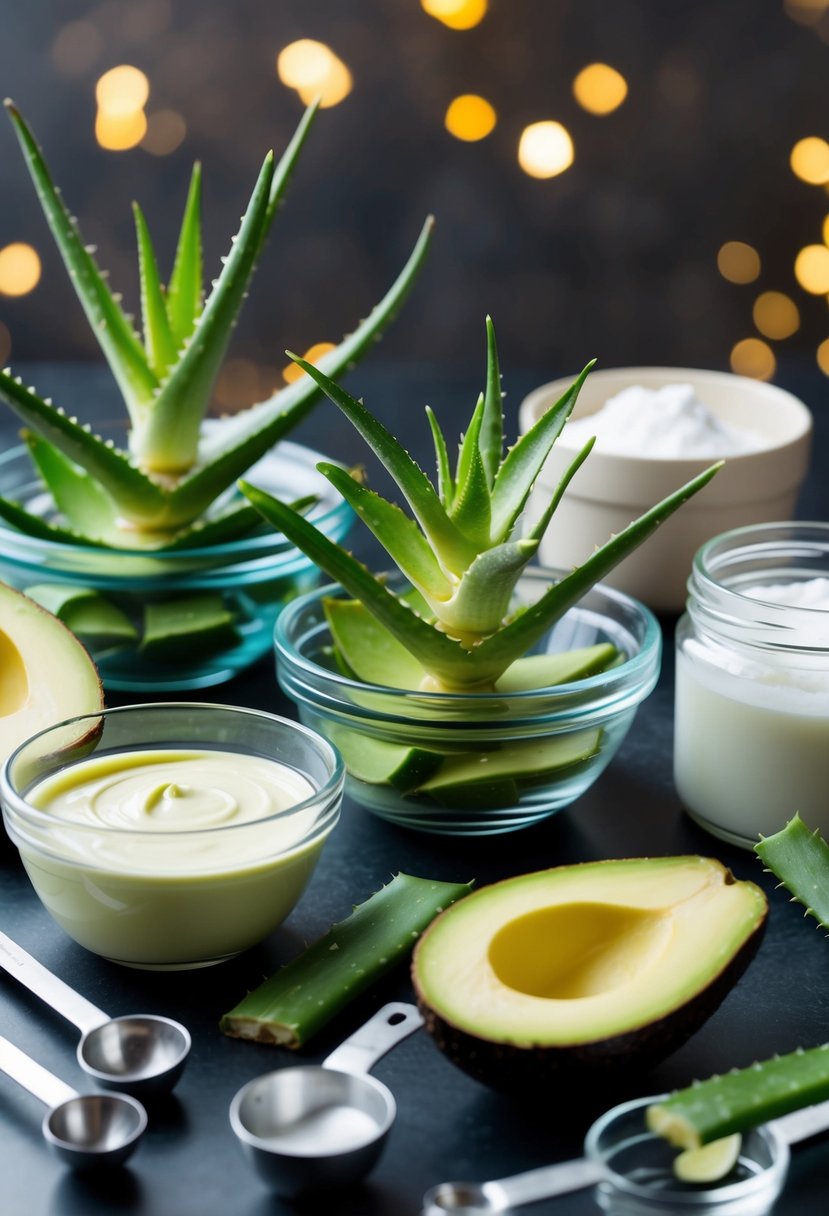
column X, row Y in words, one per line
column 616, row 257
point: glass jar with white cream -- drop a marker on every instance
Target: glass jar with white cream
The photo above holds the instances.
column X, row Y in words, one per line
column 751, row 742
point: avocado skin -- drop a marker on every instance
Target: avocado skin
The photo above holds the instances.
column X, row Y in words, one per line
column 517, row 1069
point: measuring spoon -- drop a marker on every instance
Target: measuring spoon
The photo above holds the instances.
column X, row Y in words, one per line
column 86, row 1131
column 141, row 1053
column 319, row 1126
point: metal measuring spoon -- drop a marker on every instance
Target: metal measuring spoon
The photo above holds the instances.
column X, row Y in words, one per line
column 323, row 1125
column 86, row 1131
column 143, row 1054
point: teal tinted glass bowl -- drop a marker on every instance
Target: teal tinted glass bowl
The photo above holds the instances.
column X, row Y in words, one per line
column 219, row 602
column 475, row 763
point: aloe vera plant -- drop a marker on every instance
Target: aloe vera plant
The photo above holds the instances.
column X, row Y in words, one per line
column 159, row 491
column 799, row 857
column 463, row 551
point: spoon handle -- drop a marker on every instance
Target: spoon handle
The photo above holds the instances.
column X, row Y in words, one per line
column 543, row 1183
column 34, row 976
column 361, row 1050
column 33, row 1076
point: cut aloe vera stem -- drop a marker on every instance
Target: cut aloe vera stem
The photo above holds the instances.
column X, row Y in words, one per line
column 799, row 857
column 90, row 616
column 709, row 1163
column 193, row 624
column 306, row 994
column 742, row 1099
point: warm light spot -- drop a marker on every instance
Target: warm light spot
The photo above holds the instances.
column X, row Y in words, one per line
column 600, row 89
column 165, row 131
column 545, row 149
column 117, row 132
column 776, row 315
column 122, row 90
column 811, row 268
column 314, row 70
column 457, row 14
column 807, row 12
column 5, row 344
column 810, row 160
column 826, row 231
column 753, row 357
column 19, row 269
column 823, row 356
column 312, row 355
column 470, row 117
column 239, row 384
column 76, row 47
column 738, row 262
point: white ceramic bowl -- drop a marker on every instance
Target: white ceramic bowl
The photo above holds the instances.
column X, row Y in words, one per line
column 610, row 490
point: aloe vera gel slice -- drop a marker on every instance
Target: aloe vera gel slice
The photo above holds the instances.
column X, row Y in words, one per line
column 306, row 994
column 91, row 617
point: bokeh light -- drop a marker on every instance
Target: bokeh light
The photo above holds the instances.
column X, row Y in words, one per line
column 807, row 12
column 122, row 90
column 811, row 268
column 470, row 117
column 599, row 88
column 823, row 356
column 457, row 14
column 753, row 357
column 240, row 383
column 545, row 149
column 166, row 130
column 19, row 269
column 826, row 231
column 314, row 70
column 776, row 315
column 313, row 354
column 118, row 132
column 810, row 160
column 738, row 262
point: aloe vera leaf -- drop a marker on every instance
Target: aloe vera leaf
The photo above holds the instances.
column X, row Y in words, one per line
column 379, row 762
column 471, row 510
column 462, row 774
column 569, row 473
column 87, row 507
column 118, row 340
column 543, row 670
column 90, row 616
column 133, row 492
column 167, row 439
column 446, row 486
column 301, row 998
column 742, row 1099
column 190, row 624
column 287, row 163
column 372, row 653
column 437, row 653
column 238, row 442
column 397, row 533
column 522, row 633
column 239, row 520
column 42, row 529
column 799, row 857
column 483, row 597
column 455, row 550
column 469, row 444
column 184, row 291
column 523, row 462
column 492, row 426
column 158, row 336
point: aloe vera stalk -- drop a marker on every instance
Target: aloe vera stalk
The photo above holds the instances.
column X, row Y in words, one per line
column 799, row 857
column 306, row 994
column 742, row 1099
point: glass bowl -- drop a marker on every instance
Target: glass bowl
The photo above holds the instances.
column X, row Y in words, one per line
column 407, row 753
column 208, row 884
column 234, row 590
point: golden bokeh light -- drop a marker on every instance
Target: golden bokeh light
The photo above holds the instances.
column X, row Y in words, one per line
column 314, row 70
column 600, row 89
column 823, row 356
column 470, row 117
column 810, row 160
column 19, row 269
column 811, row 268
column 545, row 149
column 118, row 132
column 313, row 354
column 776, row 315
column 456, row 14
column 738, row 262
column 826, row 231
column 241, row 383
column 166, row 129
column 753, row 357
column 122, row 90
column 807, row 12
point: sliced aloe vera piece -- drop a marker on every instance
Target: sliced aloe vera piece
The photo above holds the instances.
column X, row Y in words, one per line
column 198, row 623
column 91, row 617
column 709, row 1163
column 470, row 773
column 543, row 670
column 370, row 651
column 379, row 762
column 306, row 994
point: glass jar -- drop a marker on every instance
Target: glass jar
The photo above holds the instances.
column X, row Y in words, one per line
column 751, row 741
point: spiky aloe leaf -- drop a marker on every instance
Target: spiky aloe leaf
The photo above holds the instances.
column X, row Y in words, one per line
column 158, row 336
column 41, row 529
column 117, row 338
column 86, row 506
column 471, row 510
column 184, row 291
column 523, row 462
column 543, row 521
column 492, row 427
column 446, row 485
column 483, row 597
column 799, row 857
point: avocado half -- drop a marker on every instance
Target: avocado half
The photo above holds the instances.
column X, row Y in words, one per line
column 609, row 963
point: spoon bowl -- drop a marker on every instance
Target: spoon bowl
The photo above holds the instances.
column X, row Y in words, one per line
column 94, row 1130
column 143, row 1054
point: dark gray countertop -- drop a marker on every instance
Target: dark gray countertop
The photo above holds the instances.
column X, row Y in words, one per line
column 448, row 1125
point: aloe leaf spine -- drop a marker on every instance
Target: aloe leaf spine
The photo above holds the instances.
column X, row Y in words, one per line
column 799, row 857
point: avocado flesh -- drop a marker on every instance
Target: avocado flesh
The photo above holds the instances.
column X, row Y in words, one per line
column 607, row 962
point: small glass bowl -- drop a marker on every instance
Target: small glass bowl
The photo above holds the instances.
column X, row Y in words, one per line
column 412, row 734
column 641, row 1182
column 171, row 900
column 240, row 586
